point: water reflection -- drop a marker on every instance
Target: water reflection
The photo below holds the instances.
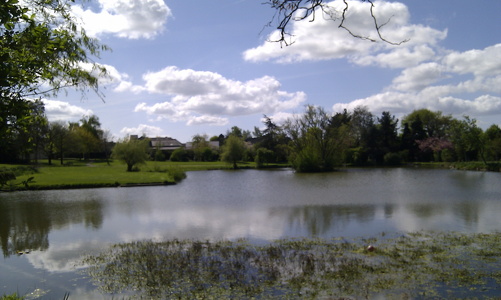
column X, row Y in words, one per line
column 25, row 222
column 57, row 227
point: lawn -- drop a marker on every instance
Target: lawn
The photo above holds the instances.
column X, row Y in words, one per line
column 96, row 173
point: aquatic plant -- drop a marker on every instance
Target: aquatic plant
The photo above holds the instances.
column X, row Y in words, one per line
column 415, row 265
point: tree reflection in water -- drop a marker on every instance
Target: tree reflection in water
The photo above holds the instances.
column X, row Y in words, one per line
column 25, row 223
column 414, row 265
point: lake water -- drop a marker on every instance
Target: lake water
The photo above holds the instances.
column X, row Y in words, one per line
column 53, row 229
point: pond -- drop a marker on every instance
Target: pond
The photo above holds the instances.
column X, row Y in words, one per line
column 44, row 234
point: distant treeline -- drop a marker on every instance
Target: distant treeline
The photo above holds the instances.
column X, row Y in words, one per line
column 317, row 141
column 310, row 142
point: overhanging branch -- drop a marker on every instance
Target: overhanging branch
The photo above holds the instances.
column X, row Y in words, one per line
column 298, row 10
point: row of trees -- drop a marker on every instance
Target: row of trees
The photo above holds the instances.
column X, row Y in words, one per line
column 38, row 137
column 42, row 51
column 312, row 141
column 318, row 141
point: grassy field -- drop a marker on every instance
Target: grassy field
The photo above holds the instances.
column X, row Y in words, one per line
column 80, row 174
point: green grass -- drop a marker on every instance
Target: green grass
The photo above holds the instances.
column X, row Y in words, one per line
column 81, row 174
column 11, row 297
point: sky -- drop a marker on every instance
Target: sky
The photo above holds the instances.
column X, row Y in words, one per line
column 182, row 68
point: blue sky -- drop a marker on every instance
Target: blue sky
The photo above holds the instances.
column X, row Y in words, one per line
column 180, row 68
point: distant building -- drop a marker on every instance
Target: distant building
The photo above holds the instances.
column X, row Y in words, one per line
column 161, row 143
column 214, row 145
column 165, row 143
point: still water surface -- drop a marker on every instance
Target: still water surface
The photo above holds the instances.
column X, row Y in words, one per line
column 58, row 227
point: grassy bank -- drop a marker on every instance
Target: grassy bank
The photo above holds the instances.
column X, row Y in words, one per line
column 91, row 174
column 84, row 174
column 493, row 166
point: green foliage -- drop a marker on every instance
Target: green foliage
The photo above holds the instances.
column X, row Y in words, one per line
column 414, row 265
column 159, row 155
column 179, row 155
column 264, row 156
column 233, row 150
column 42, row 50
column 5, row 177
column 132, row 152
column 11, row 297
column 315, row 144
column 392, row 159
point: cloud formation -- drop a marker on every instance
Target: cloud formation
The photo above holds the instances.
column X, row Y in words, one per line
column 202, row 97
column 430, row 77
column 63, row 111
column 147, row 130
column 131, row 19
column 324, row 40
column 460, row 83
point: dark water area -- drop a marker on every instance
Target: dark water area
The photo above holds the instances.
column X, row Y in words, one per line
column 44, row 234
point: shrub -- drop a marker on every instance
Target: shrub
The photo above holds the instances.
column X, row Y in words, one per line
column 392, row 159
column 179, row 155
column 177, row 174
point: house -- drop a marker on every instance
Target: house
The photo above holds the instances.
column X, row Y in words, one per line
column 214, row 145
column 161, row 143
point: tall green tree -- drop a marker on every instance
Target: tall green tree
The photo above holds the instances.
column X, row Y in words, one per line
column 42, row 51
column 493, row 142
column 132, row 152
column 57, row 140
column 468, row 139
column 201, row 148
column 22, row 134
column 233, row 150
column 314, row 145
column 87, row 136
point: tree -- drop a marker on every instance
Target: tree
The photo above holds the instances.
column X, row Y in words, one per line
column 22, row 129
column 88, row 136
column 263, row 156
column 56, row 140
column 361, row 123
column 201, row 148
column 433, row 123
column 386, row 136
column 298, row 10
column 42, row 51
column 132, row 152
column 493, row 142
column 44, row 38
column 233, row 150
column 468, row 139
column 314, row 145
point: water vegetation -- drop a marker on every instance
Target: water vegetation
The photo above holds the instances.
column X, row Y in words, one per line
column 418, row 265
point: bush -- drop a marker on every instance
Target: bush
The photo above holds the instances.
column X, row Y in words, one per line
column 356, row 156
column 177, row 174
column 159, row 155
column 392, row 159
column 179, row 155
column 263, row 156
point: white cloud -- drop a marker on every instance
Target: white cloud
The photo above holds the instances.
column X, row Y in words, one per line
column 459, row 83
column 324, row 40
column 147, row 130
column 202, row 97
column 398, row 58
column 207, row 120
column 486, row 62
column 419, row 77
column 125, row 18
column 63, row 111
